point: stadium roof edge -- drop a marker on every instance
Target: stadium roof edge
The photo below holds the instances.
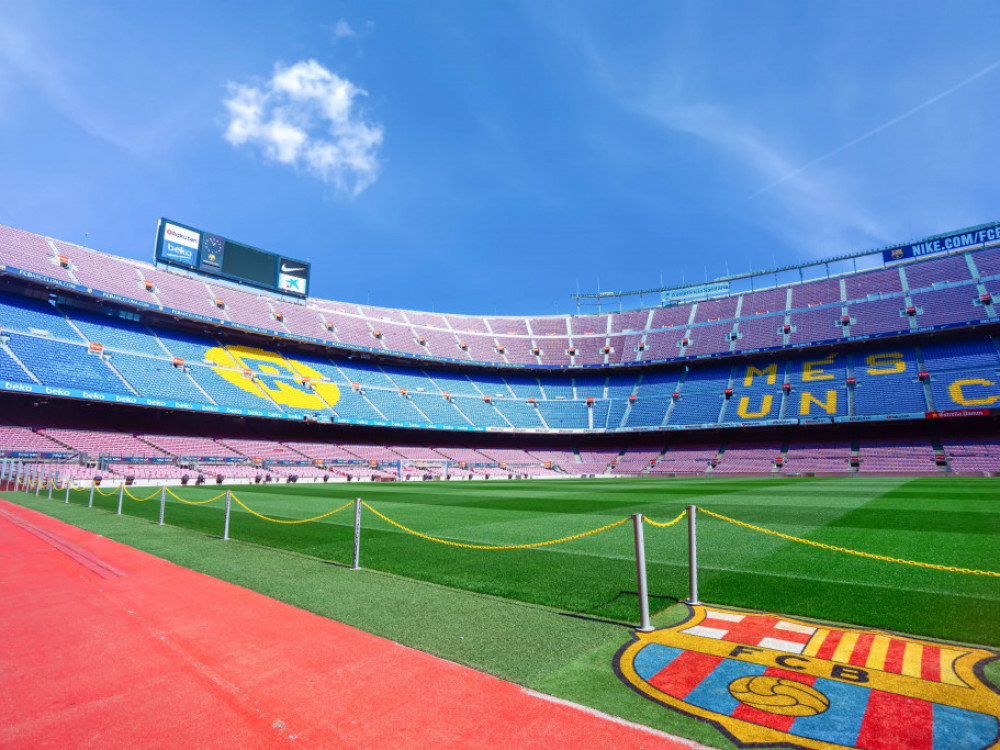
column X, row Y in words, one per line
column 798, row 267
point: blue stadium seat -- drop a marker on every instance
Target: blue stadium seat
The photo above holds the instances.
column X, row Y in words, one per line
column 157, row 378
column 29, row 315
column 519, row 413
column 523, row 386
column 562, row 415
column 116, row 334
column 66, row 365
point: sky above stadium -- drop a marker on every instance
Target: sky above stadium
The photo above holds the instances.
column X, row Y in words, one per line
column 495, row 157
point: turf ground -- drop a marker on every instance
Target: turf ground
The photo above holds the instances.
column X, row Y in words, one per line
column 504, row 612
column 950, row 521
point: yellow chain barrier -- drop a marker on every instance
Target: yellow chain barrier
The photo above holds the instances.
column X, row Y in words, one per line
column 858, row 553
column 282, row 520
column 106, row 494
column 194, row 502
column 141, row 499
column 661, row 525
column 494, row 546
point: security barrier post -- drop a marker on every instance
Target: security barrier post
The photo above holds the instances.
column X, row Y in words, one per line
column 90, row 503
column 225, row 531
column 67, row 491
column 693, row 553
column 640, row 569
column 52, row 481
column 356, row 564
column 38, row 481
column 163, row 502
column 121, row 497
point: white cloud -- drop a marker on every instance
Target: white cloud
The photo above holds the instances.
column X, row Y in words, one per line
column 306, row 116
column 343, row 30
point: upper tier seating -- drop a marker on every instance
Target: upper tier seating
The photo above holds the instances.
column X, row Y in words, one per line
column 875, row 301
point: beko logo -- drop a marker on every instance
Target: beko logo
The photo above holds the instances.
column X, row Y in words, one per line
column 291, row 269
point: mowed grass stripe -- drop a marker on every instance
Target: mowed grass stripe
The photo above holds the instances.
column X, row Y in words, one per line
column 947, row 521
column 833, row 585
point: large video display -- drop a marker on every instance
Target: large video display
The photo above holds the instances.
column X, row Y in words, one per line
column 180, row 245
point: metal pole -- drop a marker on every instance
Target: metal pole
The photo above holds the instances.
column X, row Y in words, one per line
column 90, row 503
column 225, row 531
column 163, row 502
column 640, row 569
column 38, row 481
column 121, row 497
column 356, row 564
column 693, row 553
column 67, row 491
column 52, row 481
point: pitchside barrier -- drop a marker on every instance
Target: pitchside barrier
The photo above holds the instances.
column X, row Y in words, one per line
column 26, row 483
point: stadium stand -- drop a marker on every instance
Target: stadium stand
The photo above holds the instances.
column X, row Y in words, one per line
column 972, row 455
column 817, row 457
column 907, row 341
column 892, row 456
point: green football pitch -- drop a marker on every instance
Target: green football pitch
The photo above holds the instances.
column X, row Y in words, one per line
column 943, row 521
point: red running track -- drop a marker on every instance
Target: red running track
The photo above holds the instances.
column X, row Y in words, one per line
column 102, row 645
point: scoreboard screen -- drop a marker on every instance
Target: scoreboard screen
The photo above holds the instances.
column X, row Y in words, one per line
column 186, row 247
column 242, row 262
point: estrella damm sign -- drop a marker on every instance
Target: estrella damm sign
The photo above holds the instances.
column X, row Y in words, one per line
column 275, row 377
column 769, row 681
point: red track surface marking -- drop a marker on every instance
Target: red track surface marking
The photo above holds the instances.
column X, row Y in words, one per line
column 105, row 646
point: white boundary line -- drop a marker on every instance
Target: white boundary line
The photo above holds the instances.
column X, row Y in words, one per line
column 617, row 720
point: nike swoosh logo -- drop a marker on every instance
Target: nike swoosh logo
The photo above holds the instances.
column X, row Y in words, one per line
column 291, row 269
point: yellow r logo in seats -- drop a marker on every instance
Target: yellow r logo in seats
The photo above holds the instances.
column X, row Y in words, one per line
column 277, row 377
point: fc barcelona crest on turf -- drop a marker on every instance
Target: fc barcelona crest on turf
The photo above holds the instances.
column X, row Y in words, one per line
column 771, row 681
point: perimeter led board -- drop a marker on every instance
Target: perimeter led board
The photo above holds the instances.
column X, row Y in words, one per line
column 180, row 245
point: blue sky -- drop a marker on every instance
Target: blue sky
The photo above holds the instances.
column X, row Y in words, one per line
column 489, row 157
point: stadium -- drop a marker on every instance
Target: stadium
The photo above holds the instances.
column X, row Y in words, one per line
column 790, row 379
column 797, row 403
column 542, row 375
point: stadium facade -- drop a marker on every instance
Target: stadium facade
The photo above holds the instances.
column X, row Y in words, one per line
column 114, row 365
